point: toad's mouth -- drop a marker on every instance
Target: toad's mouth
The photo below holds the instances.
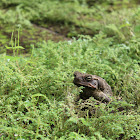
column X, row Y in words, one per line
column 91, row 85
column 87, row 84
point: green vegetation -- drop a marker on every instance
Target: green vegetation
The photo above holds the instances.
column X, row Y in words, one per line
column 69, row 18
column 36, row 91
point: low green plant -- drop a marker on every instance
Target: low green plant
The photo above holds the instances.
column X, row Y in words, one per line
column 35, row 91
column 15, row 47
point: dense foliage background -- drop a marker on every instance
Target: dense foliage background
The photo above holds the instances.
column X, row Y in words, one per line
column 36, row 74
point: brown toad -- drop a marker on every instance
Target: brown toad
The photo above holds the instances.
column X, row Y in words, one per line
column 94, row 86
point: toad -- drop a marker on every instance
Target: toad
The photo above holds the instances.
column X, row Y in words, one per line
column 94, row 86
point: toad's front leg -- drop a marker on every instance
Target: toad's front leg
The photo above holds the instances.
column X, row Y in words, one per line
column 96, row 93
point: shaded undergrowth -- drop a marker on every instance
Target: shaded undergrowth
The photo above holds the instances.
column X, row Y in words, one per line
column 68, row 18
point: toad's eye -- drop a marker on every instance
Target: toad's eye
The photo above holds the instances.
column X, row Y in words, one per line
column 94, row 83
column 88, row 78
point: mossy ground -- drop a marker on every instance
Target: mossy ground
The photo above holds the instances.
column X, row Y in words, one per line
column 36, row 90
column 53, row 20
column 28, row 36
